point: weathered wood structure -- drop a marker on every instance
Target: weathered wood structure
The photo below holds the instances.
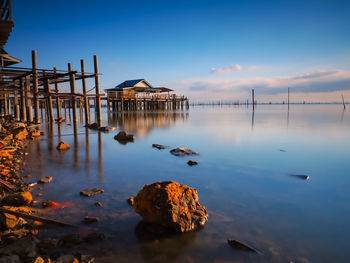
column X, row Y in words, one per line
column 138, row 94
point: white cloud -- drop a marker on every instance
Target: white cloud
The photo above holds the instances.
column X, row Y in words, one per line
column 253, row 67
column 227, row 70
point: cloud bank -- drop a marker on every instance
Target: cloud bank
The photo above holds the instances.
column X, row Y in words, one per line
column 231, row 69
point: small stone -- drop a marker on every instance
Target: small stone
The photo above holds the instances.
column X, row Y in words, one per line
column 39, row 260
column 98, row 204
column 87, row 259
column 104, row 129
column 158, row 146
column 93, row 126
column 45, row 180
column 91, row 191
column 90, row 220
column 34, row 134
column 49, row 204
column 180, row 151
column 130, row 201
column 190, row 163
column 63, row 146
column 124, row 137
column 39, row 194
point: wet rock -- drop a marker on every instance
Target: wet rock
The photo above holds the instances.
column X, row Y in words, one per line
column 240, row 246
column 104, row 129
column 171, row 205
column 39, row 194
column 21, row 246
column 180, row 151
column 39, row 260
column 71, row 240
column 10, row 259
column 8, row 221
column 45, row 180
column 98, row 204
column 123, row 136
column 130, row 201
column 20, row 133
column 34, row 133
column 90, row 220
column 17, row 125
column 66, row 259
column 49, row 204
column 17, row 199
column 91, row 191
column 94, row 237
column 190, row 163
column 63, row 146
column 60, row 120
column 93, row 126
column 158, row 146
column 87, row 259
column 48, row 246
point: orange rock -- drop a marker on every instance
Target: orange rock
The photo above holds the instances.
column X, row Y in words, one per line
column 63, row 146
column 171, row 205
column 49, row 204
column 20, row 133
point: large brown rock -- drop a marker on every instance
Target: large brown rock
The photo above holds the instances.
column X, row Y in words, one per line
column 63, row 146
column 171, row 205
column 8, row 221
column 20, row 133
column 17, row 199
column 123, row 136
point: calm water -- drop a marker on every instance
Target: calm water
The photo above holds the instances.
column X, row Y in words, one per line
column 243, row 178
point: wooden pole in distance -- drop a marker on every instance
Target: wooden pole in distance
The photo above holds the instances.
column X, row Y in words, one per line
column 97, row 89
column 72, row 90
column 86, row 100
column 35, row 86
column 253, row 99
column 58, row 100
column 288, row 98
column 343, row 101
column 23, row 102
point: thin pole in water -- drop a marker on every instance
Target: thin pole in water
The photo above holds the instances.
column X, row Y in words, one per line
column 253, row 100
column 288, row 98
column 343, row 101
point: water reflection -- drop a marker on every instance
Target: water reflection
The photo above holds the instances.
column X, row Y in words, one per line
column 141, row 122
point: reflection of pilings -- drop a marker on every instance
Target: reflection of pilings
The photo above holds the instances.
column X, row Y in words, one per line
column 87, row 151
column 76, row 145
column 50, row 137
column 58, row 100
column 100, row 157
column 253, row 112
column 86, row 100
column 97, row 89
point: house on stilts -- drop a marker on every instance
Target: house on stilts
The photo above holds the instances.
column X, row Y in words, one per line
column 138, row 94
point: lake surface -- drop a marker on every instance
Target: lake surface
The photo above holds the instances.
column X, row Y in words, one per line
column 246, row 178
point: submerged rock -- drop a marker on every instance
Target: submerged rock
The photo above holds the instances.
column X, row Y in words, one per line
column 180, row 151
column 123, row 136
column 171, row 205
column 49, row 204
column 104, row 129
column 45, row 180
column 158, row 146
column 190, row 163
column 94, row 237
column 91, row 191
column 63, row 146
column 93, row 126
column 17, row 199
column 90, row 220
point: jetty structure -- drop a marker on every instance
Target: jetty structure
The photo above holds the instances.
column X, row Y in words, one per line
column 138, row 94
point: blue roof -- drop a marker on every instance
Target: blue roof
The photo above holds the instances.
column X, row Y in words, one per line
column 128, row 83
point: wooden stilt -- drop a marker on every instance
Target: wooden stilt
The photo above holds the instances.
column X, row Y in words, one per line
column 97, row 89
column 35, row 86
column 72, row 90
column 58, row 100
column 86, row 101
column 49, row 101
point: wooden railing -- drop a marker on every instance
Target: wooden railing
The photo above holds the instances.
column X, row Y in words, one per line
column 142, row 96
column 5, row 10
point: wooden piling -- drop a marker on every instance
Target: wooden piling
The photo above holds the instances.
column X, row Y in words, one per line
column 58, row 100
column 343, row 101
column 49, row 101
column 72, row 90
column 253, row 99
column 35, row 86
column 97, row 89
column 86, row 100
column 16, row 106
column 288, row 98
column 28, row 103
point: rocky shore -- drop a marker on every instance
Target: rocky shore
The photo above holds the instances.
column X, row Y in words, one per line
column 19, row 221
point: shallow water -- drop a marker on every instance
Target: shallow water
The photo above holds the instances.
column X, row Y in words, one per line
column 244, row 178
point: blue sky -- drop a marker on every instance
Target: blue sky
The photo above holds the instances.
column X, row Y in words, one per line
column 203, row 49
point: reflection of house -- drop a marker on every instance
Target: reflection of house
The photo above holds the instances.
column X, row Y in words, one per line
column 138, row 94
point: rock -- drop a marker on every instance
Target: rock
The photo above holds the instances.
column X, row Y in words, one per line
column 171, row 205
column 63, row 146
column 34, row 133
column 8, row 221
column 17, row 199
column 240, row 246
column 39, row 260
column 104, row 129
column 180, row 151
column 10, row 259
column 60, row 120
column 91, row 191
column 48, row 246
column 190, row 163
column 17, row 125
column 49, row 204
column 90, row 220
column 20, row 133
column 158, row 146
column 94, row 237
column 98, row 204
column 45, row 180
column 124, row 137
column 87, row 259
column 93, row 126
column 71, row 240
column 66, row 259
column 39, row 194
column 130, row 201
column 21, row 246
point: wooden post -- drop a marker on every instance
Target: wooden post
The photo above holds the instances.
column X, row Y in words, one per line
column 28, row 100
column 16, row 105
column 343, row 101
column 49, row 101
column 97, row 88
column 288, row 98
column 253, row 99
column 86, row 101
column 6, row 105
column 72, row 90
column 58, row 100
column 35, row 86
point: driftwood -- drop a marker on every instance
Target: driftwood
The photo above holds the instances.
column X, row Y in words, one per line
column 7, row 185
column 33, row 217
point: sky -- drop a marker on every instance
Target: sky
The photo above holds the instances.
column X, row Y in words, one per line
column 205, row 50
